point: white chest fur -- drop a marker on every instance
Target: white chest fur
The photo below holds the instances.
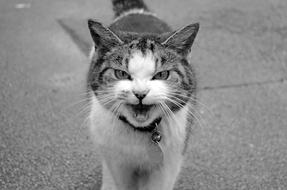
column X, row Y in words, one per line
column 114, row 137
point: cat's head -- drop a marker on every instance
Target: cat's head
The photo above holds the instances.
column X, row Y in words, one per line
column 142, row 77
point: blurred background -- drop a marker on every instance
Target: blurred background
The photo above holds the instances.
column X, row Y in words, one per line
column 240, row 54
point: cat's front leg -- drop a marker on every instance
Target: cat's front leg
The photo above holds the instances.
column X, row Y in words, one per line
column 165, row 177
column 117, row 176
column 108, row 182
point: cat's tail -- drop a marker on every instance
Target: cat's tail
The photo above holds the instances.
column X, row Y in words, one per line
column 122, row 6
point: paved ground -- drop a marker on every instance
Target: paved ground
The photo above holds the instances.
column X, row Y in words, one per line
column 241, row 58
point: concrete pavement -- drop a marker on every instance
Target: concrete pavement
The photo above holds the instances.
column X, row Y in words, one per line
column 241, row 59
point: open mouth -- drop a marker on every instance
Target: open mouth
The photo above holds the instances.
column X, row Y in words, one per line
column 140, row 111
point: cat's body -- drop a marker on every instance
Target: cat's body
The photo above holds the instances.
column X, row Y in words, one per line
column 142, row 89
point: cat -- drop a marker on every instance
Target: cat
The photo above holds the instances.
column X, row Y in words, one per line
column 142, row 89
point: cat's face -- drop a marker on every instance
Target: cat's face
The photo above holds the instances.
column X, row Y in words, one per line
column 141, row 79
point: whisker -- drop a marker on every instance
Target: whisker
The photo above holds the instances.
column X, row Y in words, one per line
column 84, row 110
column 198, row 119
column 84, row 123
column 104, row 99
column 114, row 110
column 76, row 104
column 108, row 101
column 172, row 116
column 86, row 93
column 163, row 109
column 169, row 116
column 195, row 100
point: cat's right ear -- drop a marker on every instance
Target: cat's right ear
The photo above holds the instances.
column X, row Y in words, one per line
column 103, row 36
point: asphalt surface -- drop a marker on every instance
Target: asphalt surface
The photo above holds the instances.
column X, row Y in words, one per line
column 240, row 55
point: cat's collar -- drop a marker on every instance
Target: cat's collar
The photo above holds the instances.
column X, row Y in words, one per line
column 150, row 128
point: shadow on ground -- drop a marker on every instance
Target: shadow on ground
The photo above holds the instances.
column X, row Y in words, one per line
column 239, row 142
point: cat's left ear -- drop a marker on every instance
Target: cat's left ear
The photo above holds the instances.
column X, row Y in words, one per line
column 103, row 36
column 182, row 40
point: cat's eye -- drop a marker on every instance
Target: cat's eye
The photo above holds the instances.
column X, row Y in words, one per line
column 163, row 75
column 122, row 75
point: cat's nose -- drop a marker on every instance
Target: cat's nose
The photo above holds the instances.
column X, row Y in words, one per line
column 141, row 94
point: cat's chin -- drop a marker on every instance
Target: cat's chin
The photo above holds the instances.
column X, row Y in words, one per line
column 148, row 128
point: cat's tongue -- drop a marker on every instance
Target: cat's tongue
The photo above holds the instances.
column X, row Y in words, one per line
column 141, row 117
column 141, row 112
